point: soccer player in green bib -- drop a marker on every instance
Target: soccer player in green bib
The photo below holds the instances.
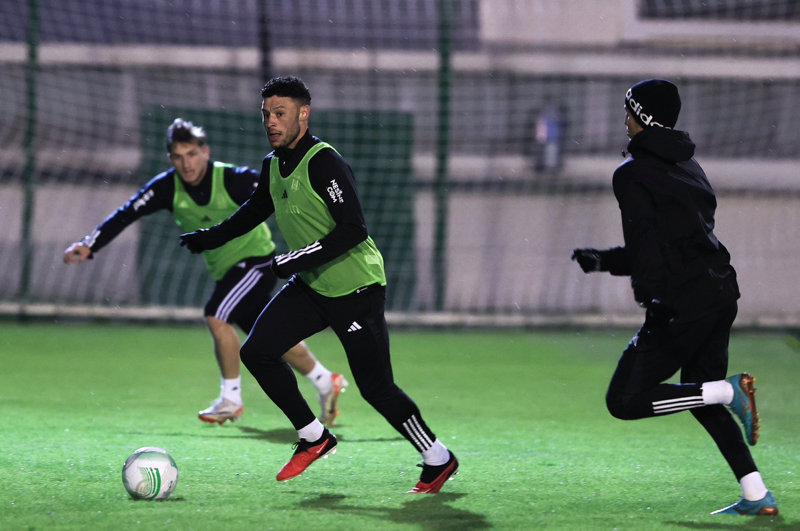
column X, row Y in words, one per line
column 336, row 280
column 200, row 192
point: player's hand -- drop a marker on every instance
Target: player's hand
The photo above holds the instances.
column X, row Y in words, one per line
column 198, row 241
column 658, row 313
column 588, row 259
column 277, row 270
column 77, row 253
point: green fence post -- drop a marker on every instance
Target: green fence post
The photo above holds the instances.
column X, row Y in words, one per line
column 32, row 37
column 445, row 11
column 264, row 42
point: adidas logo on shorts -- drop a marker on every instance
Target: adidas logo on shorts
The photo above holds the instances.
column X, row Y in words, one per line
column 354, row 327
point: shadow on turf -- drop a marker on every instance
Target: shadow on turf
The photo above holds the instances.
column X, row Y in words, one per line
column 171, row 499
column 428, row 511
column 740, row 522
column 278, row 436
column 288, row 435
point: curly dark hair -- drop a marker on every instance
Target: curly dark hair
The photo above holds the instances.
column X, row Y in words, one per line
column 288, row 87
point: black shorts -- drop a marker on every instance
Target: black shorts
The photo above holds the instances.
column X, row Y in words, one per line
column 242, row 293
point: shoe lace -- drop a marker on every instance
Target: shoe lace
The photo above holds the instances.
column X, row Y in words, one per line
column 302, row 445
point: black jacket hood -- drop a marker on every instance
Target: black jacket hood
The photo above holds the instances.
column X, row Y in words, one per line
column 671, row 145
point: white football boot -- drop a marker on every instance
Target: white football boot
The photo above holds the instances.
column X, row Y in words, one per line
column 329, row 402
column 221, row 410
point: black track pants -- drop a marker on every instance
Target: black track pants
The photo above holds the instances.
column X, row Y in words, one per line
column 296, row 313
column 699, row 349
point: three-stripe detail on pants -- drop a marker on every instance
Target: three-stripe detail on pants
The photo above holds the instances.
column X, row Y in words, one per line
column 672, row 405
column 418, row 435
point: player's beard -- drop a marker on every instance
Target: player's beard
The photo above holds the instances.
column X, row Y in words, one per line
column 288, row 137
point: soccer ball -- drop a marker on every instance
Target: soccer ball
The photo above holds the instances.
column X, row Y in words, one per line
column 150, row 473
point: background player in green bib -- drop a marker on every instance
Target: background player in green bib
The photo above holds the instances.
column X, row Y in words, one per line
column 337, row 281
column 200, row 192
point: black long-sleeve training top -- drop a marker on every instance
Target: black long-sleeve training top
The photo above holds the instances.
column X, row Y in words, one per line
column 158, row 194
column 327, row 170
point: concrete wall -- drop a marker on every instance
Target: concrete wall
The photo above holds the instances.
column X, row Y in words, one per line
column 551, row 22
column 507, row 253
column 62, row 215
column 511, row 253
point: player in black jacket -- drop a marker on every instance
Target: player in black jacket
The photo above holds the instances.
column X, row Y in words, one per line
column 681, row 273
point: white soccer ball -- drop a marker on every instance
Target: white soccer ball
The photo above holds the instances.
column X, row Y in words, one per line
column 150, row 473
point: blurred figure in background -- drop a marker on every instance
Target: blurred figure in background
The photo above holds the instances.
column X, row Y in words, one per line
column 549, row 139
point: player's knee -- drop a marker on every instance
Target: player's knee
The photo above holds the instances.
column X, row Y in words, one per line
column 248, row 353
column 618, row 406
column 212, row 322
column 253, row 352
column 381, row 396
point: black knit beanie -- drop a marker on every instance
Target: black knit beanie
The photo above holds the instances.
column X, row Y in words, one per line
column 654, row 103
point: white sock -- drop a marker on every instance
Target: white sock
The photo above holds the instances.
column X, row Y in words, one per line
column 717, row 392
column 437, row 454
column 231, row 389
column 311, row 432
column 753, row 487
column 320, row 376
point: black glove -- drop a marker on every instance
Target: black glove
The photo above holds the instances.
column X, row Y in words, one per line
column 198, row 241
column 277, row 270
column 658, row 313
column 588, row 259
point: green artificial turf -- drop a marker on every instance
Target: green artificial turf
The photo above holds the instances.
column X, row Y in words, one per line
column 524, row 412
